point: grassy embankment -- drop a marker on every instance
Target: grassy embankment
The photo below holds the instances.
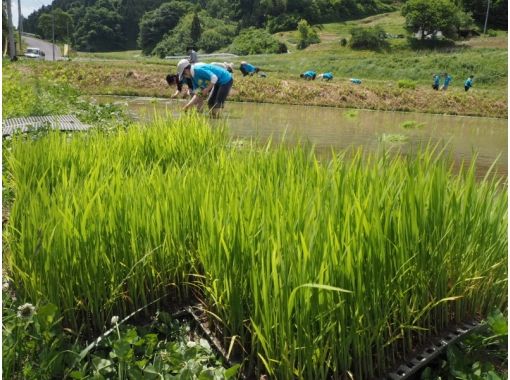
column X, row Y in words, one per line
column 126, row 73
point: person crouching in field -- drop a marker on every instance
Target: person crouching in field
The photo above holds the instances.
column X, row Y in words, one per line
column 210, row 81
column 435, row 83
column 325, row 76
column 173, row 79
column 469, row 82
column 309, row 75
column 248, row 69
column 447, row 80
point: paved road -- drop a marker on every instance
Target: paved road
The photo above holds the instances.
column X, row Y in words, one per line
column 45, row 46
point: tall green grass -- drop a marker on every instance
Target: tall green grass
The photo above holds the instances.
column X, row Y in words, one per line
column 317, row 268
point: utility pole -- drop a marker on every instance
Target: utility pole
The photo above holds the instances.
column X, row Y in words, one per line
column 53, row 32
column 12, row 48
column 486, row 16
column 20, row 24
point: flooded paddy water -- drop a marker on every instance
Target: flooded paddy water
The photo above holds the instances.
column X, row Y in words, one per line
column 339, row 129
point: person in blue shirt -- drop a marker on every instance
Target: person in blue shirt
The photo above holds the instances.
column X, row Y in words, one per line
column 248, row 69
column 325, row 76
column 435, row 84
column 173, row 79
column 469, row 82
column 447, row 80
column 208, row 80
column 309, row 75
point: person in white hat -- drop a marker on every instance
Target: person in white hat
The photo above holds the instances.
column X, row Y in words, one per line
column 208, row 80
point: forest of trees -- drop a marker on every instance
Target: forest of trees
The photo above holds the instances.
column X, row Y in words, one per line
column 170, row 26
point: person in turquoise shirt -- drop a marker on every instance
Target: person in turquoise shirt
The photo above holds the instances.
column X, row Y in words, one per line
column 447, row 80
column 248, row 69
column 309, row 75
column 469, row 82
column 435, row 84
column 326, row 76
column 208, row 80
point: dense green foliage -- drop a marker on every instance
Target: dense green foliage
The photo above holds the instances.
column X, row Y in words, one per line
column 216, row 34
column 317, row 268
column 100, row 29
column 147, row 21
column 307, row 35
column 155, row 24
column 254, row 41
column 428, row 17
column 63, row 25
column 368, row 38
column 36, row 346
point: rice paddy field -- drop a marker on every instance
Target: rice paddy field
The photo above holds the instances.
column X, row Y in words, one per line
column 308, row 269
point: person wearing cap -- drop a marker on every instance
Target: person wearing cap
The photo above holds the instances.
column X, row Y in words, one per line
column 208, row 80
column 309, row 75
column 248, row 69
column 469, row 82
column 193, row 57
column 173, row 79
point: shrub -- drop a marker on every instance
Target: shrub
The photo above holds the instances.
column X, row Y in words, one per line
column 307, row 35
column 406, row 83
column 492, row 33
column 282, row 23
column 343, row 42
column 216, row 35
column 369, row 38
column 282, row 47
column 254, row 41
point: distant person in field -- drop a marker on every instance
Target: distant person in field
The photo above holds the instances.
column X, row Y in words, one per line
column 248, row 69
column 435, row 83
column 227, row 66
column 210, row 81
column 447, row 80
column 469, row 82
column 309, row 75
column 173, row 80
column 325, row 76
column 193, row 57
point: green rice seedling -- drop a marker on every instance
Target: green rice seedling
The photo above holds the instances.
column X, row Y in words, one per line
column 351, row 113
column 392, row 138
column 318, row 269
column 411, row 124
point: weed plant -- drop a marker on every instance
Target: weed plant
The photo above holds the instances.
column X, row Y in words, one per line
column 317, row 269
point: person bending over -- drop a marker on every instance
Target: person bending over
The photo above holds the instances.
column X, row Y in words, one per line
column 173, row 79
column 248, row 69
column 309, row 75
column 210, row 81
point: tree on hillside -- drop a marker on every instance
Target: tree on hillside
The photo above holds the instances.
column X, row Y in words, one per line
column 217, row 34
column 100, row 29
column 428, row 17
column 498, row 12
column 155, row 24
column 131, row 12
column 195, row 30
column 63, row 25
column 307, row 35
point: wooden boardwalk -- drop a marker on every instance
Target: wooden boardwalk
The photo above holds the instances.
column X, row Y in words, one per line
column 26, row 124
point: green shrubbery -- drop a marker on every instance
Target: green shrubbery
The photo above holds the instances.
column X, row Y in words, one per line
column 406, row 83
column 216, row 34
column 254, row 41
column 368, row 38
column 307, row 35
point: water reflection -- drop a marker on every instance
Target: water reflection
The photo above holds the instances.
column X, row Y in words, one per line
column 333, row 128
